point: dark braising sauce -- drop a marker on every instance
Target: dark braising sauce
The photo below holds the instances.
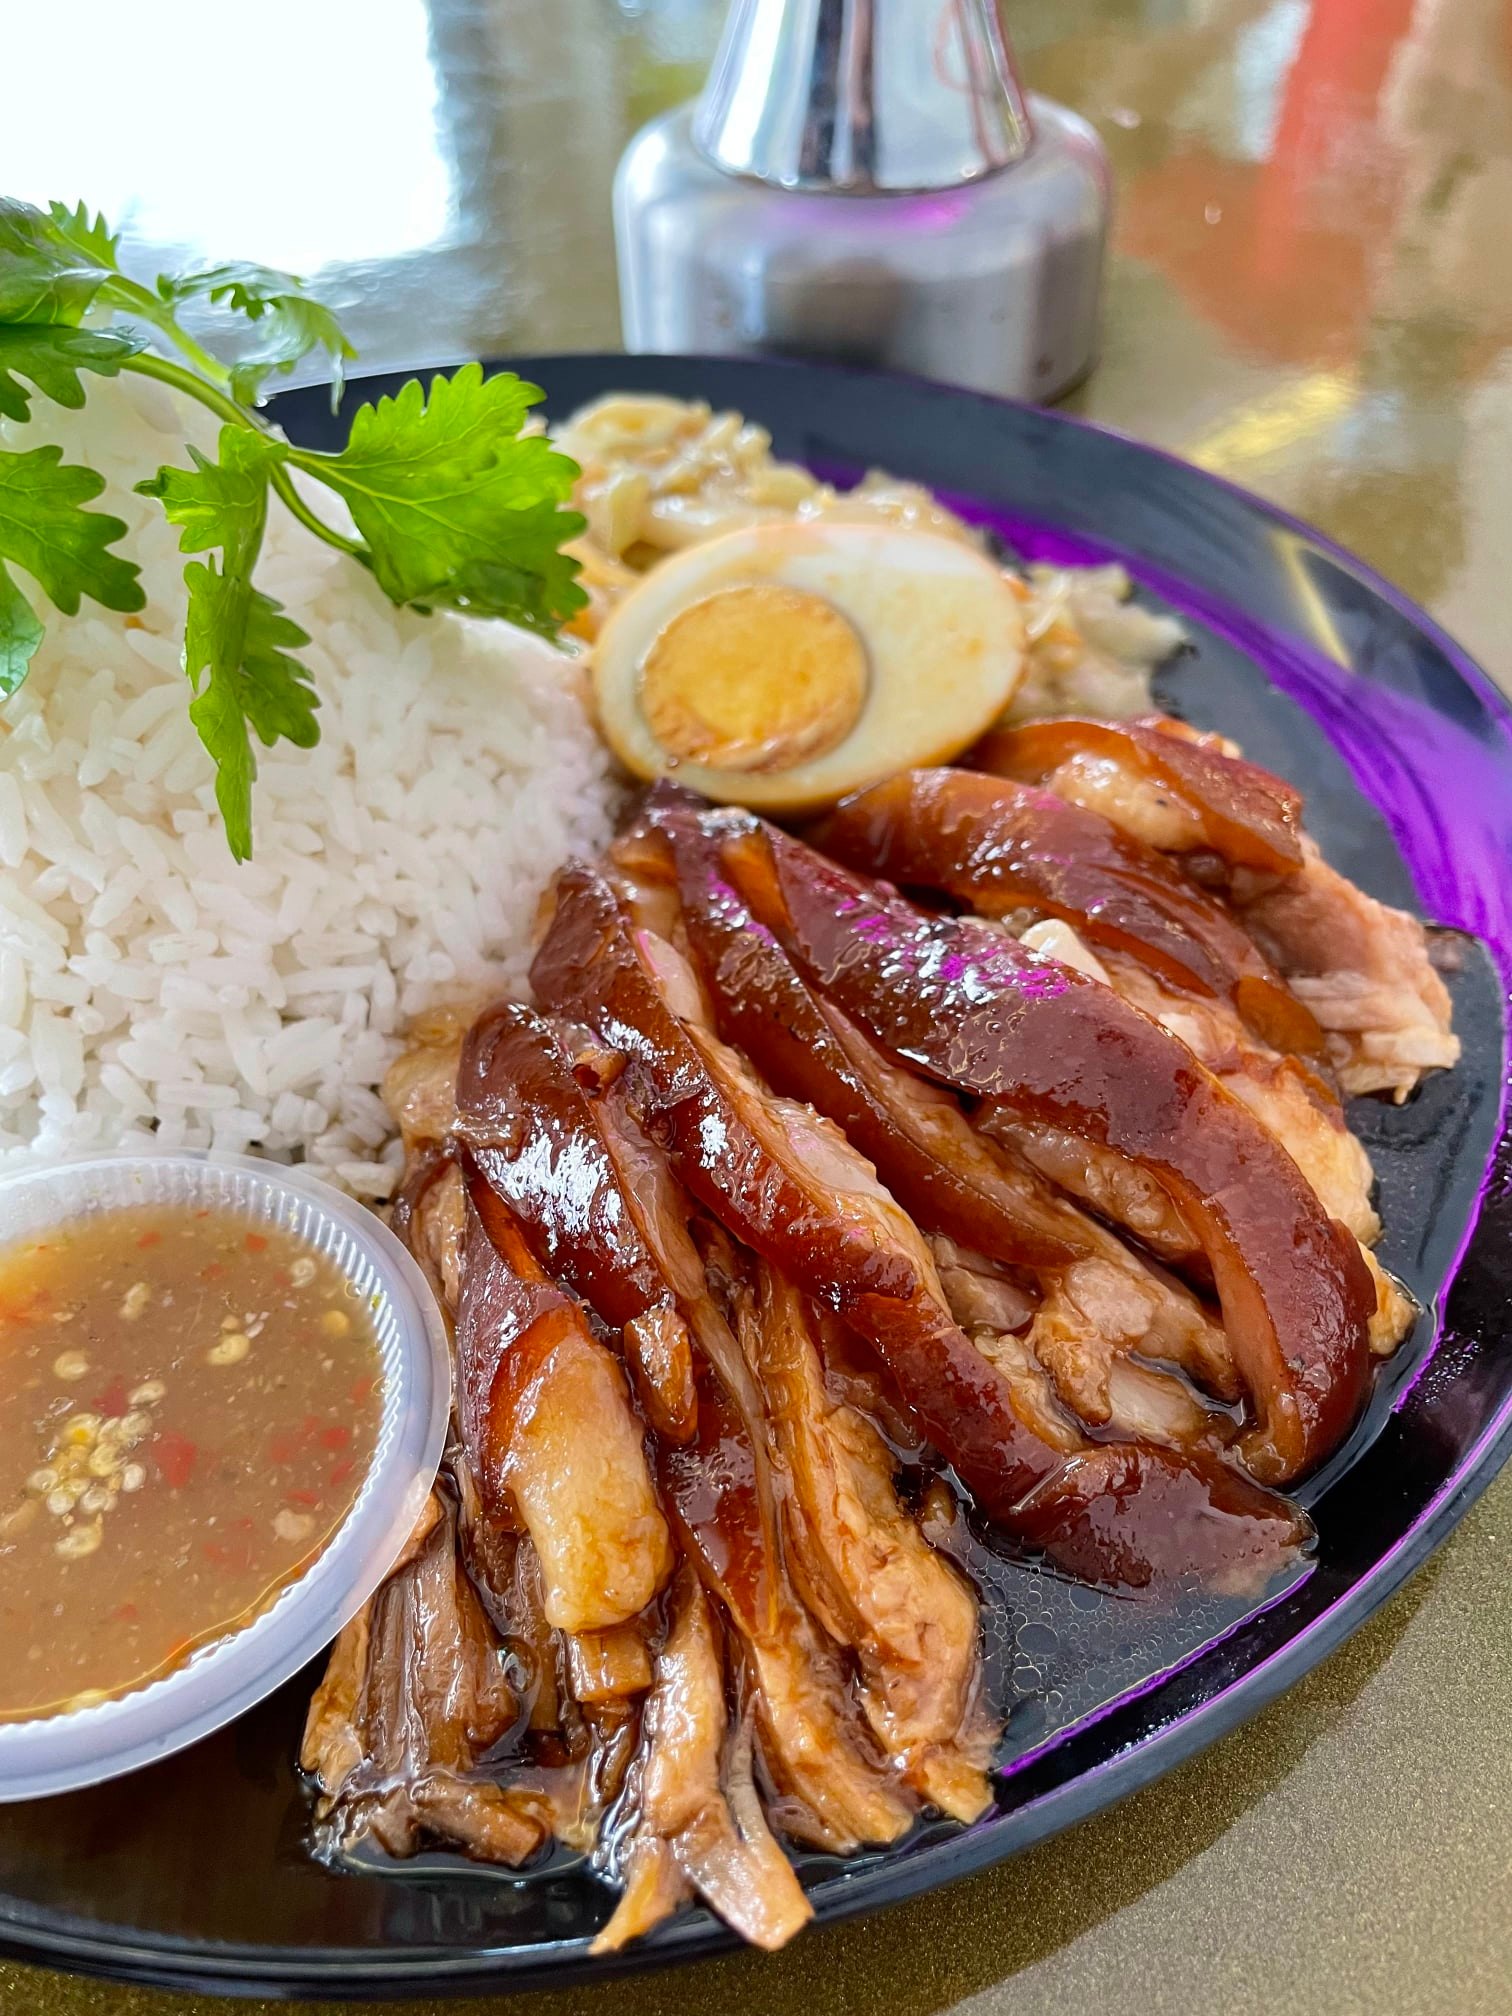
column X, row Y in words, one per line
column 192, row 1402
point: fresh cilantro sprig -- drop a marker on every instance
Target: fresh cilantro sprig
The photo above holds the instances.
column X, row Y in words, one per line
column 45, row 529
column 290, row 324
column 454, row 507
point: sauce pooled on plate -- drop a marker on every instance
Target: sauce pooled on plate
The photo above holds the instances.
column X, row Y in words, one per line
column 192, row 1401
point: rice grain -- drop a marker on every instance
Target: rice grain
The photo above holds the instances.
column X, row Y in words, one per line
column 151, row 989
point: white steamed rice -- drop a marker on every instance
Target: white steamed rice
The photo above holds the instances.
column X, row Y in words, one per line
column 151, row 989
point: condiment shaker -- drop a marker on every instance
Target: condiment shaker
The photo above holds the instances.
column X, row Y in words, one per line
column 866, row 180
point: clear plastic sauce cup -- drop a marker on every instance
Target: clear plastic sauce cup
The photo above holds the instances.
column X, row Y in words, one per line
column 58, row 1752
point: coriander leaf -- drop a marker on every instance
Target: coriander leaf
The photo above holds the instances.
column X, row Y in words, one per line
column 527, row 580
column 90, row 237
column 454, row 507
column 236, row 653
column 44, row 530
column 222, row 503
column 236, row 640
column 241, row 284
column 20, row 634
column 52, row 356
column 52, row 262
column 290, row 331
column 291, row 323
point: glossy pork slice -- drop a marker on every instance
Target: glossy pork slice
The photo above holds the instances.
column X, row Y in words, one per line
column 1361, row 967
column 534, row 1134
column 970, row 1006
column 1302, row 1113
column 952, row 1181
column 1116, row 1189
column 1176, row 790
column 548, row 1427
column 783, row 1181
column 413, row 1699
column 837, row 1792
column 698, row 1824
column 1156, row 1314
column 788, row 1185
column 529, row 1129
column 667, row 1218
column 914, row 1134
column 1284, row 1095
column 870, row 1576
column 549, row 1125
column 1001, row 847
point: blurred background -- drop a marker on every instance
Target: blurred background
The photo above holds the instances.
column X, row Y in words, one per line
column 1311, row 288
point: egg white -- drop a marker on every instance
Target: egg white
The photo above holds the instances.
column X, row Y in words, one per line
column 942, row 628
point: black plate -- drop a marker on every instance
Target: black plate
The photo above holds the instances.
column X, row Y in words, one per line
column 195, row 1873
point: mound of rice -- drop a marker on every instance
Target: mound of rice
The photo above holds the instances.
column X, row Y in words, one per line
column 151, row 989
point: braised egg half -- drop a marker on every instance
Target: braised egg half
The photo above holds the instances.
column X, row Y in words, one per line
column 783, row 665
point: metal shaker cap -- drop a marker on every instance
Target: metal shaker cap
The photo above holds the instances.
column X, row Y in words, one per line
column 863, row 97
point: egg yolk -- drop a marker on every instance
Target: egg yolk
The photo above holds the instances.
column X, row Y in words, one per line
column 754, row 678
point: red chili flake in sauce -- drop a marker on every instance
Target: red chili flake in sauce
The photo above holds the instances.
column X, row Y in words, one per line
column 212, row 1506
column 361, row 1389
column 175, row 1458
column 113, row 1401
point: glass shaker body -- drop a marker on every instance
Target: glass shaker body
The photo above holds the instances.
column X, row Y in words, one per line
column 992, row 284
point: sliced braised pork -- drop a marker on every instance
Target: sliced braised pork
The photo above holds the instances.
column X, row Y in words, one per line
column 789, row 1185
column 1359, row 966
column 697, row 1822
column 972, row 1008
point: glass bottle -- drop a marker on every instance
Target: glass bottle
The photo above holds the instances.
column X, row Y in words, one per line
column 866, row 180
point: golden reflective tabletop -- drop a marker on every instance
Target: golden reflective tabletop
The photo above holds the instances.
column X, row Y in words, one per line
column 1311, row 292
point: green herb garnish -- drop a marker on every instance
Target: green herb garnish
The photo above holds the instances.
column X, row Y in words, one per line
column 454, row 507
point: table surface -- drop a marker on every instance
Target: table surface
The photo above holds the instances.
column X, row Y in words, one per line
column 1311, row 292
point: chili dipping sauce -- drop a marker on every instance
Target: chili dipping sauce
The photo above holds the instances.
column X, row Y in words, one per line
column 192, row 1401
